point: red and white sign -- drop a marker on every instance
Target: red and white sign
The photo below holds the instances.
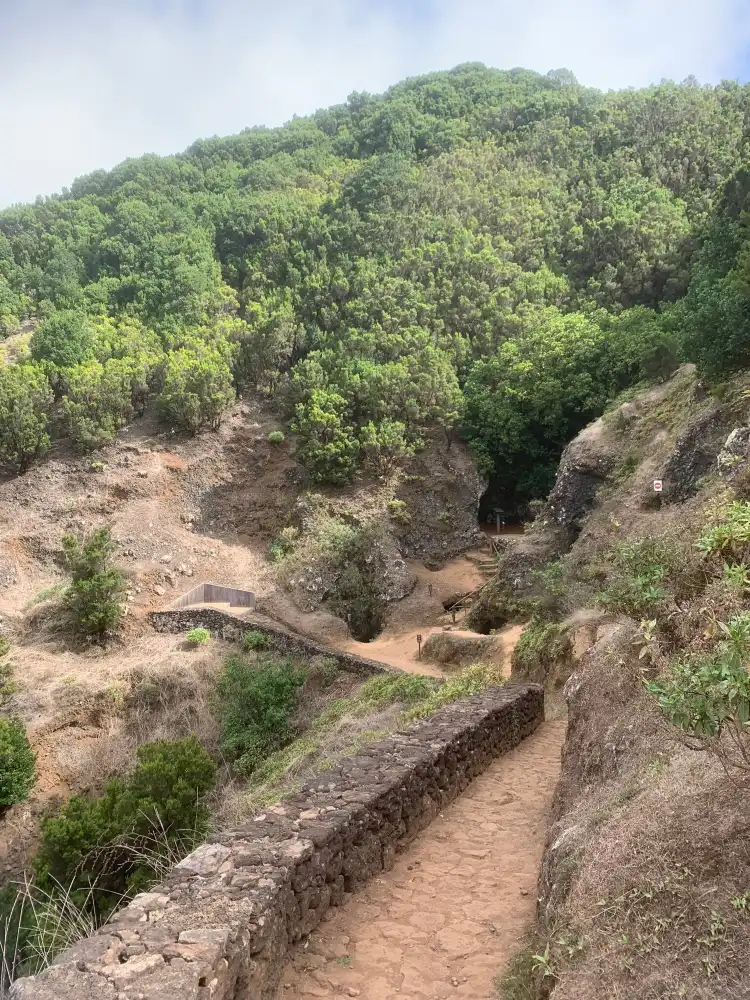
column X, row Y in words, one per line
column 657, row 486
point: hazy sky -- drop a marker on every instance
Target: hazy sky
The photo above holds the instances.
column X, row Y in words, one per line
column 85, row 84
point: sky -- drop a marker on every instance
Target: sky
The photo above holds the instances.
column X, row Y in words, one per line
column 85, row 83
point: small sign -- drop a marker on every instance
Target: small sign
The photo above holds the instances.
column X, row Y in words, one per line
column 657, row 486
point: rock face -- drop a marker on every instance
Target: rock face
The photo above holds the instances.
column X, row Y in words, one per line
column 694, row 456
column 224, row 922
column 441, row 492
column 585, row 465
column 735, row 453
column 611, row 720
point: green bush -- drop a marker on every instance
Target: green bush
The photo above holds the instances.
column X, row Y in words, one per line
column 4, row 646
column 198, row 636
column 542, row 642
column 94, row 598
column 110, row 841
column 256, row 704
column 730, row 534
column 254, row 641
column 284, row 543
column 17, row 763
column 707, row 696
column 25, row 403
column 639, row 574
column 276, row 437
column 197, row 389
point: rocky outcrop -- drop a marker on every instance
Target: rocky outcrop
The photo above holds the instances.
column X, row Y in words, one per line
column 734, row 454
column 586, row 463
column 440, row 490
column 694, row 456
column 222, row 925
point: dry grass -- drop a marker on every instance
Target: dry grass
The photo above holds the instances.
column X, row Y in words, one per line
column 651, row 862
column 87, row 713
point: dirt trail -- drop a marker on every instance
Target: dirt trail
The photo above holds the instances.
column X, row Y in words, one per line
column 444, row 921
column 446, row 918
column 401, row 650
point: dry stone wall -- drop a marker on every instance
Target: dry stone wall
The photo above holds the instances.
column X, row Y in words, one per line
column 223, row 625
column 223, row 924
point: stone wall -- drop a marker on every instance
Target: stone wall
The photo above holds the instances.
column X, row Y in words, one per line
column 223, row 625
column 223, row 924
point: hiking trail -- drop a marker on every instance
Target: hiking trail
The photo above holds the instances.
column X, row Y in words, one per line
column 457, row 903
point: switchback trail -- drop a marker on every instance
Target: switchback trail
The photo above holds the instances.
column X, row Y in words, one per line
column 443, row 922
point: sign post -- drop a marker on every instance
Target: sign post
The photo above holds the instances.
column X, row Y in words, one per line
column 658, row 485
column 419, row 644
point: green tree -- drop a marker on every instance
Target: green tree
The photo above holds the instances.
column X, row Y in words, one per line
column 25, row 403
column 65, row 339
column 107, row 841
column 102, row 398
column 197, row 390
column 94, row 598
column 327, row 445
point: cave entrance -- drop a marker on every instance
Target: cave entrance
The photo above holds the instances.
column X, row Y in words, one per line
column 496, row 518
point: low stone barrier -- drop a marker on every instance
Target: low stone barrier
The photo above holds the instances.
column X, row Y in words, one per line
column 223, row 924
column 223, row 625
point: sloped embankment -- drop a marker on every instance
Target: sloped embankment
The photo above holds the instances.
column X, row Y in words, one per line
column 644, row 883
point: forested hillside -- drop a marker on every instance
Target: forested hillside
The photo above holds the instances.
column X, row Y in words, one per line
column 493, row 253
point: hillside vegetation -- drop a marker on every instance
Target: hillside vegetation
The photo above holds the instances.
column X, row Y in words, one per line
column 490, row 252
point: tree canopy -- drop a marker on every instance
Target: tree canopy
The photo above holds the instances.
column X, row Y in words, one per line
column 494, row 253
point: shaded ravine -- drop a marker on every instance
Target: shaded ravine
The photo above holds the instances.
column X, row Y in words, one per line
column 443, row 922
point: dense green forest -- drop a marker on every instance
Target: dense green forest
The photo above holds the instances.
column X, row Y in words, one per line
column 494, row 254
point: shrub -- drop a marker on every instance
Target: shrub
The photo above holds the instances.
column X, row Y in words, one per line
column 708, row 697
column 398, row 511
column 17, row 763
column 64, row 339
column 94, row 598
column 198, row 636
column 255, row 641
column 106, row 841
column 276, row 437
column 256, row 704
column 640, row 570
column 284, row 544
column 730, row 534
column 25, row 402
column 4, row 645
column 542, row 642
column 197, row 389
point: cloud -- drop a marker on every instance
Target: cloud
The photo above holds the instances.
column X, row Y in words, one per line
column 84, row 85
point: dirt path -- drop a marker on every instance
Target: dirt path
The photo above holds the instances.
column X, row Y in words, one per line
column 447, row 917
column 401, row 650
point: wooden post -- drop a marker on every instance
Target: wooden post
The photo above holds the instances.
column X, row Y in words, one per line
column 419, row 645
